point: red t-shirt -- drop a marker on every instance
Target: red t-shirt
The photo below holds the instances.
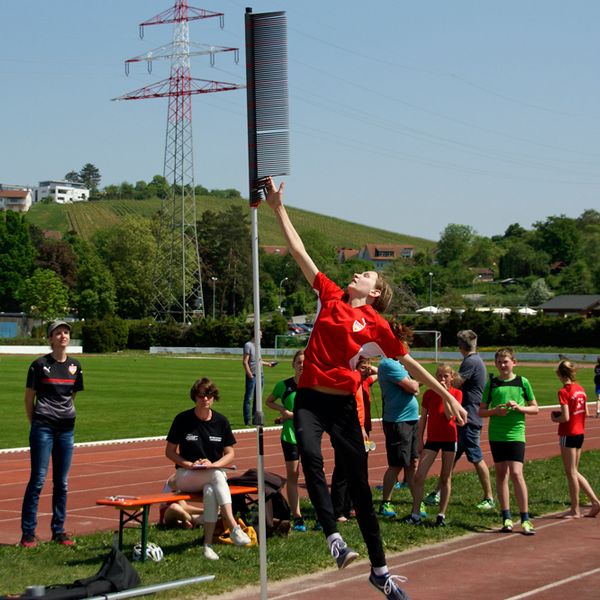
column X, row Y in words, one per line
column 574, row 397
column 439, row 428
column 341, row 335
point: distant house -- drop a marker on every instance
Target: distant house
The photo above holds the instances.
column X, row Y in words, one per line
column 482, row 275
column 383, row 254
column 17, row 200
column 345, row 254
column 587, row 305
column 61, row 192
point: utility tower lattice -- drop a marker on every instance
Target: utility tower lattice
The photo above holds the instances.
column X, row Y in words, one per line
column 177, row 270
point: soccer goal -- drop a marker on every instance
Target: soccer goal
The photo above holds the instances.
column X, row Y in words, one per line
column 427, row 340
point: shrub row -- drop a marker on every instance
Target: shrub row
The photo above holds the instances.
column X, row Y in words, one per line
column 514, row 329
column 113, row 334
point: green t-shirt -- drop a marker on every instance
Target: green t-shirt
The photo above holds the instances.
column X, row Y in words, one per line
column 286, row 392
column 511, row 427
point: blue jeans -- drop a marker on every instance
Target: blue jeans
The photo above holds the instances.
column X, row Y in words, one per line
column 46, row 441
column 250, row 397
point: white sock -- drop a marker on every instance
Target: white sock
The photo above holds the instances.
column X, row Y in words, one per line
column 333, row 537
column 380, row 571
column 442, row 515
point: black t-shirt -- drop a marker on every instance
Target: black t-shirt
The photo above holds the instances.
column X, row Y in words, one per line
column 54, row 384
column 201, row 439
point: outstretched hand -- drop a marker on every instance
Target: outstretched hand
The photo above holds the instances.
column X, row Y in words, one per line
column 274, row 194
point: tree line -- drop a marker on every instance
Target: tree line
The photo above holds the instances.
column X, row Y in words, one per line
column 112, row 273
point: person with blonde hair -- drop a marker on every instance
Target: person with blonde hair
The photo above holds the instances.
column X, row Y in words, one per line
column 571, row 428
column 442, row 437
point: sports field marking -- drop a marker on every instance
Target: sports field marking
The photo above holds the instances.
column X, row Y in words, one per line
column 501, row 538
column 555, row 584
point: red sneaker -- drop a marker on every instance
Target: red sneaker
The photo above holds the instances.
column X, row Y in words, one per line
column 28, row 541
column 63, row 539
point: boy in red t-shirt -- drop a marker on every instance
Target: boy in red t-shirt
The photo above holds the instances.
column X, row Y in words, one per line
column 571, row 427
column 441, row 436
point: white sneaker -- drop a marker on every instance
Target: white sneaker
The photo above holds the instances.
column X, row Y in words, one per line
column 239, row 537
column 210, row 553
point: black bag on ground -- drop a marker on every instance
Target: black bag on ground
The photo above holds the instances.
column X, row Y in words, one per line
column 115, row 575
column 277, row 509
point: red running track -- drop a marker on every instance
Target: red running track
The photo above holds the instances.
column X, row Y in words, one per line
column 563, row 555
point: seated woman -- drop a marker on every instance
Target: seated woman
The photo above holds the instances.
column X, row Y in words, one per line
column 199, row 442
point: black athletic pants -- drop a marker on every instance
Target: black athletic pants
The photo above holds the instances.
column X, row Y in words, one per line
column 314, row 414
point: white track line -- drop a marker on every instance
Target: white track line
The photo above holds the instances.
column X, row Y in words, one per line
column 555, row 584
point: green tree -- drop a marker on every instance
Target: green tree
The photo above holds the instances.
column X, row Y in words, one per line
column 538, row 293
column 159, row 187
column 72, row 176
column 58, row 256
column 520, row 259
column 90, row 176
column 44, row 295
column 16, row 257
column 95, row 295
column 455, row 244
column 559, row 237
column 576, row 279
column 128, row 249
column 225, row 250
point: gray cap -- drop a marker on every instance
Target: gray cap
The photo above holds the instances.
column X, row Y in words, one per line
column 52, row 326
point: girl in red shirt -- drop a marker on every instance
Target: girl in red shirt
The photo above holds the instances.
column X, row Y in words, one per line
column 571, row 427
column 441, row 436
column 348, row 327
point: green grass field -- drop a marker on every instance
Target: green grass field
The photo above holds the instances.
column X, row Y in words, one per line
column 137, row 395
column 287, row 557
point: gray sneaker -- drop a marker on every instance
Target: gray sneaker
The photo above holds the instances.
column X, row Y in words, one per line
column 342, row 554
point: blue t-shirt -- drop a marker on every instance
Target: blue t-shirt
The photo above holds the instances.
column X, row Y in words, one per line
column 398, row 405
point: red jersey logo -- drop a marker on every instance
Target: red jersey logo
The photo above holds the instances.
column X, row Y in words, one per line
column 72, row 369
column 358, row 326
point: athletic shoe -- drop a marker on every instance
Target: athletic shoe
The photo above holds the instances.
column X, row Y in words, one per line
column 432, row 499
column 317, row 526
column 486, row 504
column 63, row 539
column 423, row 510
column 387, row 510
column 299, row 525
column 527, row 528
column 28, row 541
column 210, row 553
column 440, row 521
column 342, row 554
column 412, row 521
column 507, row 526
column 387, row 585
column 239, row 537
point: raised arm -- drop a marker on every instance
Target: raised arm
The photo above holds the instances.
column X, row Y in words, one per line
column 293, row 240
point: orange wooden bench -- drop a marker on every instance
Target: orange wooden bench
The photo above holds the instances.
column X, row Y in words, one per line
column 136, row 509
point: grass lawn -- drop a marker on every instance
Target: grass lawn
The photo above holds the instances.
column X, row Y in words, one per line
column 137, row 394
column 299, row 553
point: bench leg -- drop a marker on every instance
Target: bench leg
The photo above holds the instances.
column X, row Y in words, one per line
column 145, row 515
column 121, row 525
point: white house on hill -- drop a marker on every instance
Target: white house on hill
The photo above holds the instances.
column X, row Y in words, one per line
column 15, row 199
column 61, row 192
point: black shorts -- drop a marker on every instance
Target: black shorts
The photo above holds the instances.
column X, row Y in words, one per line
column 401, row 442
column 443, row 446
column 505, row 451
column 290, row 451
column 571, row 441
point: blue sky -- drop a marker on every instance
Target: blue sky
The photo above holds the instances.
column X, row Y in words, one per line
column 404, row 115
